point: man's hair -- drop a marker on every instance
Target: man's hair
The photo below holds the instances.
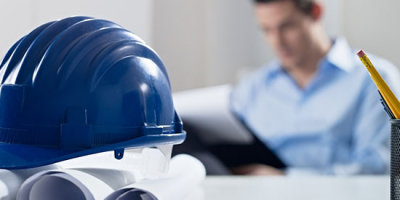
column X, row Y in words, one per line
column 304, row 5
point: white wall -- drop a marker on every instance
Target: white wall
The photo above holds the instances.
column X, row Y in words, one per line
column 373, row 26
column 333, row 15
column 16, row 21
column 207, row 42
column 19, row 17
column 179, row 37
column 235, row 43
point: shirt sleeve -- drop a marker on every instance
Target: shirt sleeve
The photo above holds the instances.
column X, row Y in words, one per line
column 370, row 153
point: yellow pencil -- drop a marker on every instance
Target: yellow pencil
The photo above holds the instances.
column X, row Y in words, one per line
column 387, row 94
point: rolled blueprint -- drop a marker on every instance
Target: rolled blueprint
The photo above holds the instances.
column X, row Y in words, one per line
column 99, row 176
column 63, row 184
column 184, row 176
column 11, row 180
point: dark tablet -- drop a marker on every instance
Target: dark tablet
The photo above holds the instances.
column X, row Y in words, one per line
column 217, row 134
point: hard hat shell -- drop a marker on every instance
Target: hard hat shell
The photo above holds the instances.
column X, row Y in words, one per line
column 79, row 86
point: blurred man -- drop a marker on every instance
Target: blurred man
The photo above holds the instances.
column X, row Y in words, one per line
column 315, row 106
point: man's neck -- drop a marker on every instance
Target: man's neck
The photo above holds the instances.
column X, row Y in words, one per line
column 304, row 73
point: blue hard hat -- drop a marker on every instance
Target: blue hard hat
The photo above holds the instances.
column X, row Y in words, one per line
column 80, row 86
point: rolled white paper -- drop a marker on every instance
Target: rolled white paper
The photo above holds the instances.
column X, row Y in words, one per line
column 63, row 184
column 95, row 176
column 11, row 180
column 186, row 173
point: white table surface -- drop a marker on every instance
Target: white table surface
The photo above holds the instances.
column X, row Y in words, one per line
column 299, row 188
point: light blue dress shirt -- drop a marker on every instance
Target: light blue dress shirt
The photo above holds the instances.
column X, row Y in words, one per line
column 336, row 125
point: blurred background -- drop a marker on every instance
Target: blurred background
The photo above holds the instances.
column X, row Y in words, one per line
column 207, row 42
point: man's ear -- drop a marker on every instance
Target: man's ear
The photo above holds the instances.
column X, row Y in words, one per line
column 317, row 11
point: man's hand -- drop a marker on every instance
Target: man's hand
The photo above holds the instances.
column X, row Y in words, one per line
column 257, row 170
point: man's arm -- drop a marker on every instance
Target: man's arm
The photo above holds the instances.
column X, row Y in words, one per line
column 370, row 148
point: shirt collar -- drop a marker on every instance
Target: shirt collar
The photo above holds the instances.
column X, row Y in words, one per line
column 273, row 69
column 340, row 55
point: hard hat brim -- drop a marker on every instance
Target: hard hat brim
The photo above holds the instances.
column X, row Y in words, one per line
column 16, row 156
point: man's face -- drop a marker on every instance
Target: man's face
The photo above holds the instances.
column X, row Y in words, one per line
column 287, row 29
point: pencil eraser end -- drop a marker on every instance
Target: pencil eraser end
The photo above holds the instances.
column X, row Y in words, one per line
column 360, row 53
